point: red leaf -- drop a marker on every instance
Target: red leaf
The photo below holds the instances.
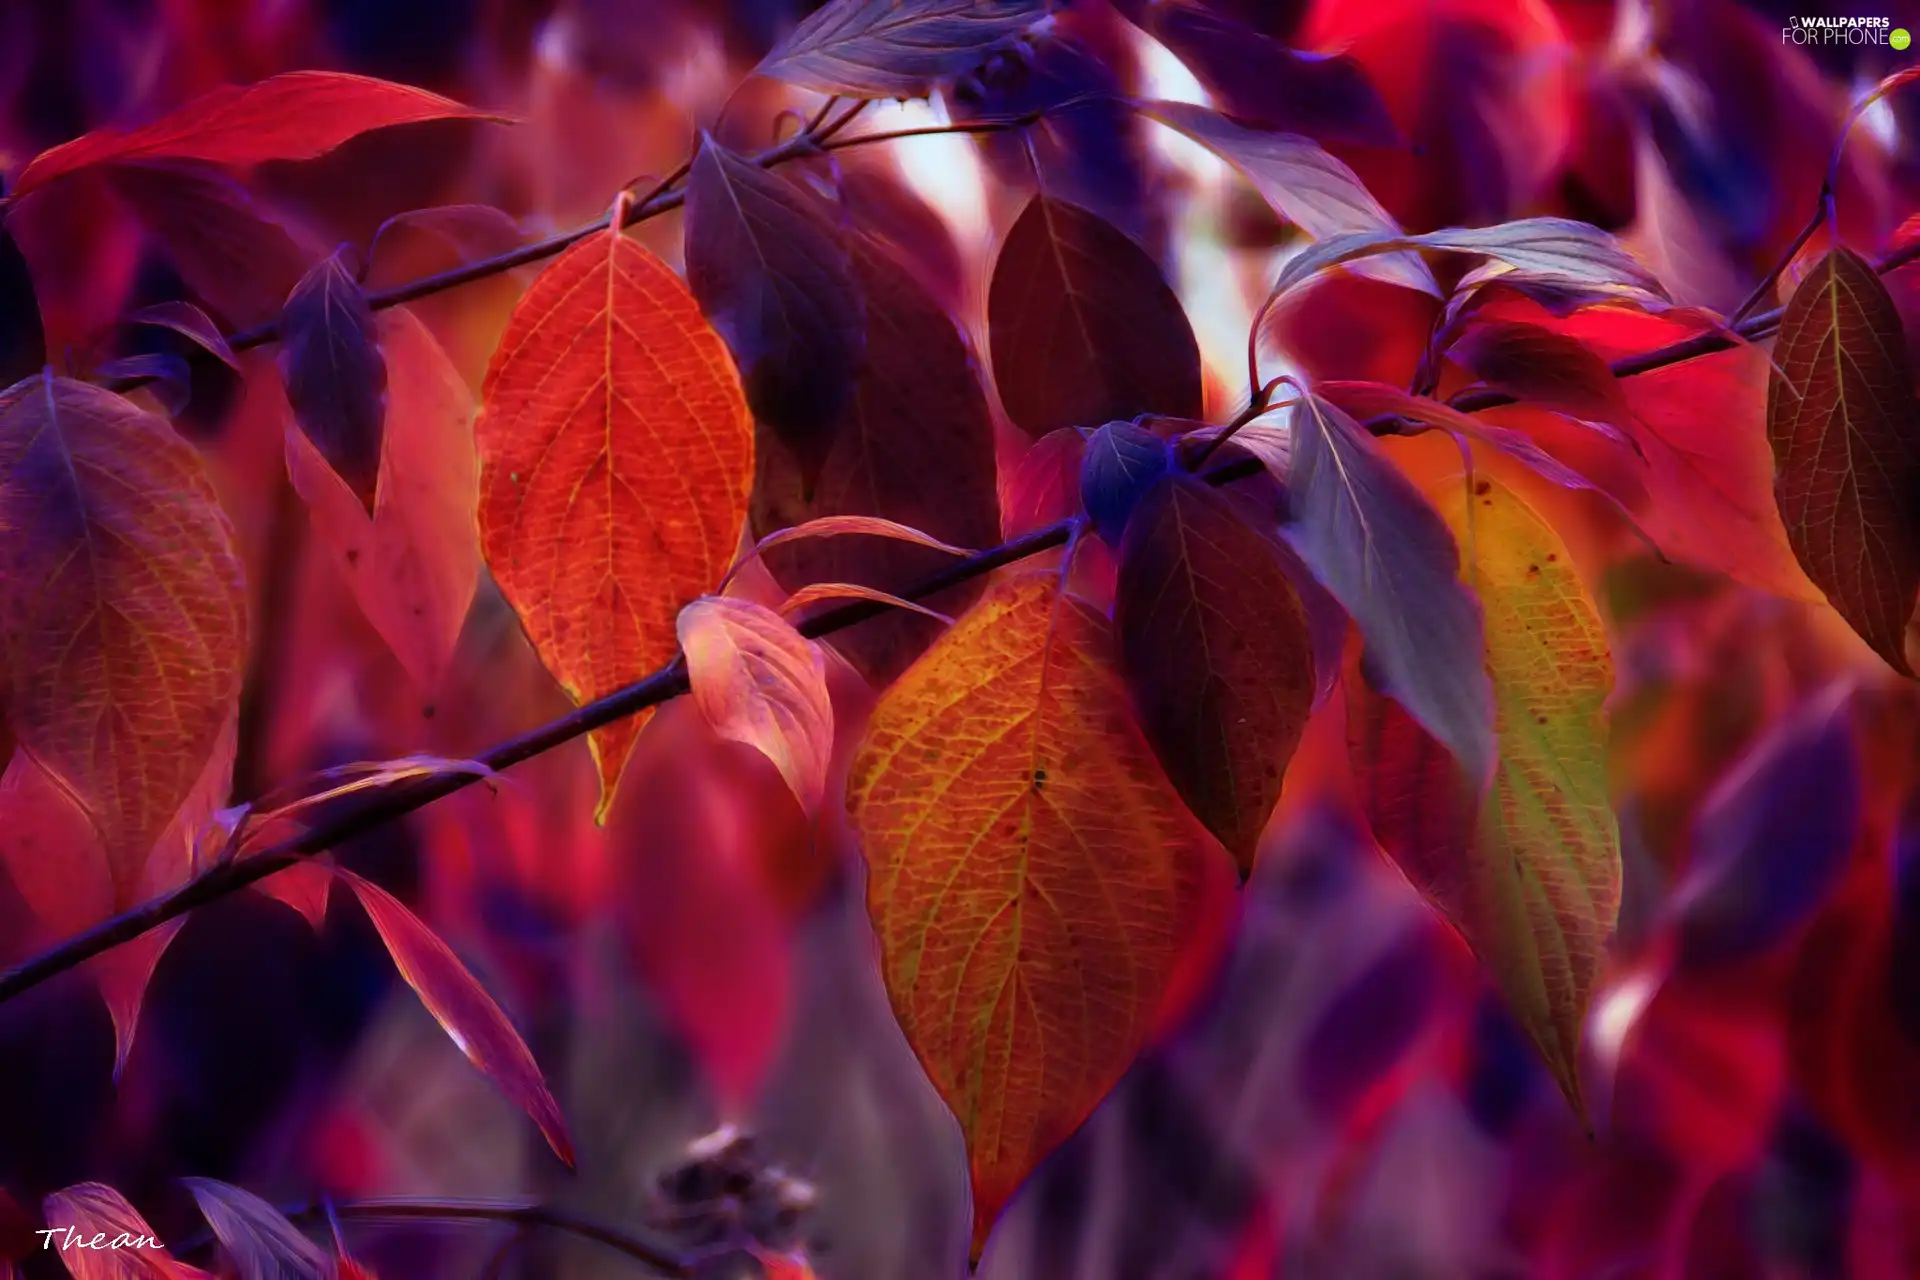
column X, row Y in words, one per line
column 1083, row 327
column 615, row 449
column 414, row 565
column 1846, row 444
column 461, row 1005
column 335, row 374
column 294, row 116
column 1045, row 486
column 1537, row 365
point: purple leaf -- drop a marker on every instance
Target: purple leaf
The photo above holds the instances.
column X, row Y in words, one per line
column 1121, row 463
column 191, row 323
column 162, row 375
column 1303, row 184
column 773, row 276
column 257, row 1236
column 896, row 48
column 1262, row 81
column 1368, row 535
column 1773, row 838
column 1087, row 144
column 1082, row 326
column 336, row 377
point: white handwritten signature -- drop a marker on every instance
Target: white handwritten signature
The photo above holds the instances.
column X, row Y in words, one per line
column 100, row 1240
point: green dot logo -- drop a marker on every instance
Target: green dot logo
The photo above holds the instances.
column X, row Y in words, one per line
column 1900, row 39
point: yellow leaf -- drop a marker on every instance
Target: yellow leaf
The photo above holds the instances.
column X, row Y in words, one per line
column 1035, row 880
column 1533, row 881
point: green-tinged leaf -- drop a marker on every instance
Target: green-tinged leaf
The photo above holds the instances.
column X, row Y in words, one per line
column 1530, row 878
column 1846, row 444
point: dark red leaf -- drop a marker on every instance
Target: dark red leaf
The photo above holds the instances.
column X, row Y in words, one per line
column 1045, row 485
column 1083, row 327
column 915, row 446
column 896, row 48
column 233, row 254
column 773, row 277
column 1846, row 446
column 1218, row 653
column 1537, row 365
column 335, row 374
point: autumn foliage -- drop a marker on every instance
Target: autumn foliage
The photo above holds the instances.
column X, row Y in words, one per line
column 1048, row 639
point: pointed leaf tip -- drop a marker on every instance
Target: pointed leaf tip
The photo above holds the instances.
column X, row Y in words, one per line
column 462, row 1006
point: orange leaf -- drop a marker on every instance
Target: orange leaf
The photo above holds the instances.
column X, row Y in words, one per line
column 1035, row 880
column 414, row 564
column 615, row 453
column 99, row 1236
column 1218, row 653
column 294, row 116
column 761, row 683
column 123, row 607
column 461, row 1005
column 1846, row 444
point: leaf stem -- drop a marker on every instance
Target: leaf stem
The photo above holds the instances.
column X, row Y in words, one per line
column 1823, row 212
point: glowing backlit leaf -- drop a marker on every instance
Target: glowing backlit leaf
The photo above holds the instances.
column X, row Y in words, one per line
column 615, row 451
column 462, row 1006
column 759, row 682
column 1034, row 877
column 121, row 606
column 1218, row 653
column 1530, row 878
column 1846, row 446
column 294, row 116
